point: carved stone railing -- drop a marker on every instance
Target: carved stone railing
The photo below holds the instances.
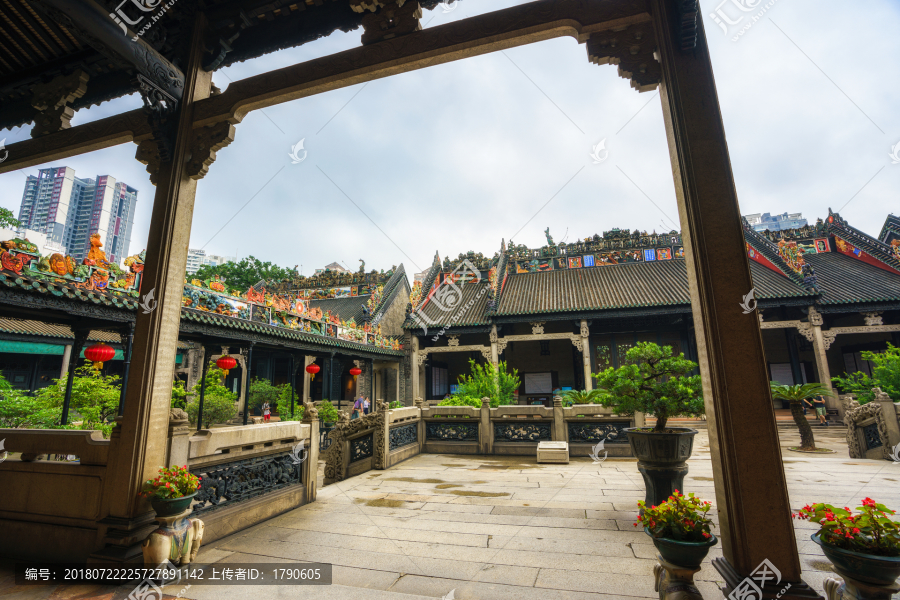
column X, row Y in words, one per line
column 873, row 429
column 357, row 445
column 89, row 447
column 248, row 473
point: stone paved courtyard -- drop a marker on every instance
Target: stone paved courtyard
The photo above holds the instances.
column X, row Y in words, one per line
column 507, row 528
column 495, row 528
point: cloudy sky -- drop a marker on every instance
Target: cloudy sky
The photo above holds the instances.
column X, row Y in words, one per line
column 462, row 155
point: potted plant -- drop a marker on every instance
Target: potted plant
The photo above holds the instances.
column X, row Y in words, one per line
column 172, row 491
column 864, row 546
column 654, row 381
column 679, row 529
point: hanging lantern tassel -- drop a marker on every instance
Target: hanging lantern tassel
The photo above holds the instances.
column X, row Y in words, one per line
column 226, row 363
column 355, row 371
column 312, row 370
column 99, row 354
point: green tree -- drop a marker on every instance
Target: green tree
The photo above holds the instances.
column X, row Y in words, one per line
column 218, row 401
column 19, row 410
column 652, row 381
column 885, row 375
column 95, row 398
column 488, row 381
column 179, row 394
column 795, row 394
column 7, row 220
column 284, row 404
column 244, row 274
column 262, row 390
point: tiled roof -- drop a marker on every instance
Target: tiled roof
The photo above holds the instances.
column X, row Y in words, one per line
column 629, row 285
column 347, row 308
column 845, row 279
column 468, row 310
column 212, row 318
column 37, row 328
column 891, row 226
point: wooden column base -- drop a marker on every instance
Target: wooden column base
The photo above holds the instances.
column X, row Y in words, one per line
column 852, row 589
column 783, row 590
column 674, row 582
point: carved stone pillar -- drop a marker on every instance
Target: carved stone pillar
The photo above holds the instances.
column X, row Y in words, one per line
column 495, row 355
column 586, row 355
column 307, row 382
column 141, row 445
column 179, row 438
column 311, row 468
column 485, row 431
column 754, row 519
column 820, row 348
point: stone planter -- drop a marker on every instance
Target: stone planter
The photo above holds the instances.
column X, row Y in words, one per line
column 662, row 460
column 688, row 555
column 878, row 571
column 171, row 506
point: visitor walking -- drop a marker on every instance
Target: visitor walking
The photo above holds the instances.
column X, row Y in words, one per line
column 266, row 411
column 819, row 403
column 366, row 406
column 357, row 408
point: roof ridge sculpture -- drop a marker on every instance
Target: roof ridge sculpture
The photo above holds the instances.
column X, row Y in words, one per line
column 887, row 254
column 785, row 255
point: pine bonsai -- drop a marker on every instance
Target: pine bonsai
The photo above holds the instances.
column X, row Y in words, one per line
column 652, row 381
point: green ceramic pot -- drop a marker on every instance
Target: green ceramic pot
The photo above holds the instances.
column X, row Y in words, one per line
column 684, row 554
column 169, row 507
column 877, row 570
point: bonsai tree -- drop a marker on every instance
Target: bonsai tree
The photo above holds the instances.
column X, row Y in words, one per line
column 885, row 375
column 795, row 394
column 653, row 381
column 488, row 381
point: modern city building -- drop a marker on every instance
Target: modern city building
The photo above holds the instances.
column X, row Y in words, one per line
column 782, row 222
column 69, row 210
column 199, row 258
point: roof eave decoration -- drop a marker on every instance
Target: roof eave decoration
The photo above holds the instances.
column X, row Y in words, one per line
column 854, row 243
column 420, row 295
column 784, row 257
column 497, row 277
column 891, row 226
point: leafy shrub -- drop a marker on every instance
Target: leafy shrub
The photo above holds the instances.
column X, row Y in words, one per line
column 885, row 375
column 284, row 404
column 487, row 381
column 179, row 394
column 461, row 401
column 327, row 412
column 95, row 398
column 652, row 381
column 581, row 397
column 218, row 401
column 18, row 410
column 395, row 404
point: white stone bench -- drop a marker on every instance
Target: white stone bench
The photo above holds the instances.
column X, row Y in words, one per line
column 553, row 452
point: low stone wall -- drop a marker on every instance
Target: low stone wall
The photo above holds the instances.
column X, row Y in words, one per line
column 249, row 473
column 50, row 509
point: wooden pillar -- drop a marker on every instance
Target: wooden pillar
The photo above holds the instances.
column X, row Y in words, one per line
column 139, row 446
column 127, row 341
column 751, row 493
column 796, row 368
column 67, row 356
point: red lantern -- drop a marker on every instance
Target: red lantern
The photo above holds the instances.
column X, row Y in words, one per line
column 99, row 354
column 312, row 370
column 356, row 372
column 226, row 363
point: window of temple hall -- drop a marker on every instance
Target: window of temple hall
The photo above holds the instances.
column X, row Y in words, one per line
column 545, row 348
column 439, row 382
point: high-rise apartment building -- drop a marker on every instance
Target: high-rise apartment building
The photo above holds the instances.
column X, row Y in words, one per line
column 69, row 210
column 199, row 258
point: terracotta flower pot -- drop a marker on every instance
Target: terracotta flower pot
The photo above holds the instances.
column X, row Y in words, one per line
column 868, row 568
column 662, row 460
column 684, row 554
column 169, row 507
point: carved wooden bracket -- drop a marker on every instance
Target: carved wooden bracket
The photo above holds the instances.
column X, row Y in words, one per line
column 207, row 140
column 148, row 153
column 632, row 49
column 54, row 100
column 388, row 19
